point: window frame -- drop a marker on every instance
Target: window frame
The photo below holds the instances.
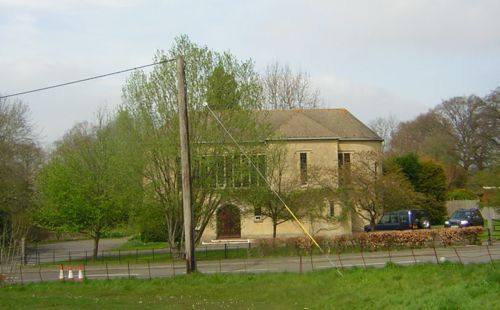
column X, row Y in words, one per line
column 303, row 168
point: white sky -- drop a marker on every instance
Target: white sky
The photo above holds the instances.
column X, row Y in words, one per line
column 373, row 57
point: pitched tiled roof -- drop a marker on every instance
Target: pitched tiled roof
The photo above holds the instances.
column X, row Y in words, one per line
column 317, row 124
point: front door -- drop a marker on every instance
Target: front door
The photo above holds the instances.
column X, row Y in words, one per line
column 228, row 222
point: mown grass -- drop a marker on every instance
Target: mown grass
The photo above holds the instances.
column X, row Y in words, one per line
column 446, row 286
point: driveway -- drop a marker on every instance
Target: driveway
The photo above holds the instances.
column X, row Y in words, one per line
column 80, row 245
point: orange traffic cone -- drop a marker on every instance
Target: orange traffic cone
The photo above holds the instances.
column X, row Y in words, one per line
column 70, row 273
column 61, row 273
column 80, row 273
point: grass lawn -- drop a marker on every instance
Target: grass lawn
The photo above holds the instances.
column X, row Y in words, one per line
column 415, row 287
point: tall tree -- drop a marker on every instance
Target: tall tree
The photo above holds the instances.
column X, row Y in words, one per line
column 425, row 136
column 474, row 125
column 428, row 178
column 428, row 136
column 92, row 180
column 385, row 127
column 284, row 89
column 20, row 157
column 365, row 191
column 152, row 100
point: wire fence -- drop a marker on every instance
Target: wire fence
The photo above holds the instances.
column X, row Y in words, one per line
column 163, row 268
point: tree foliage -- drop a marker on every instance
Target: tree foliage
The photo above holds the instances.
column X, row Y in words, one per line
column 368, row 193
column 427, row 177
column 20, row 157
column 473, row 122
column 92, row 179
column 461, row 132
column 425, row 136
column 222, row 90
column 232, row 89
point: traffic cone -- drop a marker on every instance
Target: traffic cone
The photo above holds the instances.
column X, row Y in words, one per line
column 80, row 273
column 70, row 273
column 61, row 273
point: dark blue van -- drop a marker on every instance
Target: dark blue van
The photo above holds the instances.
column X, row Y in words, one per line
column 403, row 219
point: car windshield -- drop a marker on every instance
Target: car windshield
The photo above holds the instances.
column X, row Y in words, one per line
column 460, row 215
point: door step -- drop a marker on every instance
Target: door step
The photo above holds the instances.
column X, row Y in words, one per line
column 227, row 241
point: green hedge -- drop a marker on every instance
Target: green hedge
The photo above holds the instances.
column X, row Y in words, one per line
column 379, row 240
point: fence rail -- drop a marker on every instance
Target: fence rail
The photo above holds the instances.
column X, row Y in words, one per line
column 36, row 256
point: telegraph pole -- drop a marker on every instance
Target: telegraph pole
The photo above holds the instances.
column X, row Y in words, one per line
column 185, row 166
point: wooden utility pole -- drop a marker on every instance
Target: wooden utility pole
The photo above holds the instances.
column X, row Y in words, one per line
column 185, row 165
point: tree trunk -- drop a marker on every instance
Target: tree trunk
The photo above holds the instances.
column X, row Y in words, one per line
column 97, row 236
column 275, row 225
column 372, row 225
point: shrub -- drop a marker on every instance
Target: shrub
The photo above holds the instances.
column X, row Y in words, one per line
column 303, row 245
column 340, row 243
column 377, row 240
column 417, row 238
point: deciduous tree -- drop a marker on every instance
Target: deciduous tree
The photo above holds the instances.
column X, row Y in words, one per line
column 474, row 125
column 367, row 193
column 232, row 89
column 20, row 157
column 284, row 89
column 428, row 178
column 92, row 179
column 385, row 128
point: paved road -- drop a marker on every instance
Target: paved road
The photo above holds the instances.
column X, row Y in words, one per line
column 62, row 251
column 79, row 245
column 466, row 255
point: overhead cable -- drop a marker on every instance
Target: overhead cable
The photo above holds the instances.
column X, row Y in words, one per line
column 86, row 79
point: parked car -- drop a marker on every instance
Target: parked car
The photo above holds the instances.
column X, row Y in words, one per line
column 403, row 219
column 465, row 218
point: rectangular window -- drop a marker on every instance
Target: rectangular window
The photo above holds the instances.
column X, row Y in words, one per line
column 344, row 168
column 261, row 164
column 303, row 168
column 221, row 180
column 246, row 168
column 344, row 159
column 238, row 171
column 331, row 208
column 228, row 171
column 254, row 176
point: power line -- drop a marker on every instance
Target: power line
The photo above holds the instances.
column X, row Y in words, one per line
column 86, row 79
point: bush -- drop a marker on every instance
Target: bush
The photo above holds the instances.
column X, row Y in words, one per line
column 417, row 238
column 372, row 241
column 392, row 239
